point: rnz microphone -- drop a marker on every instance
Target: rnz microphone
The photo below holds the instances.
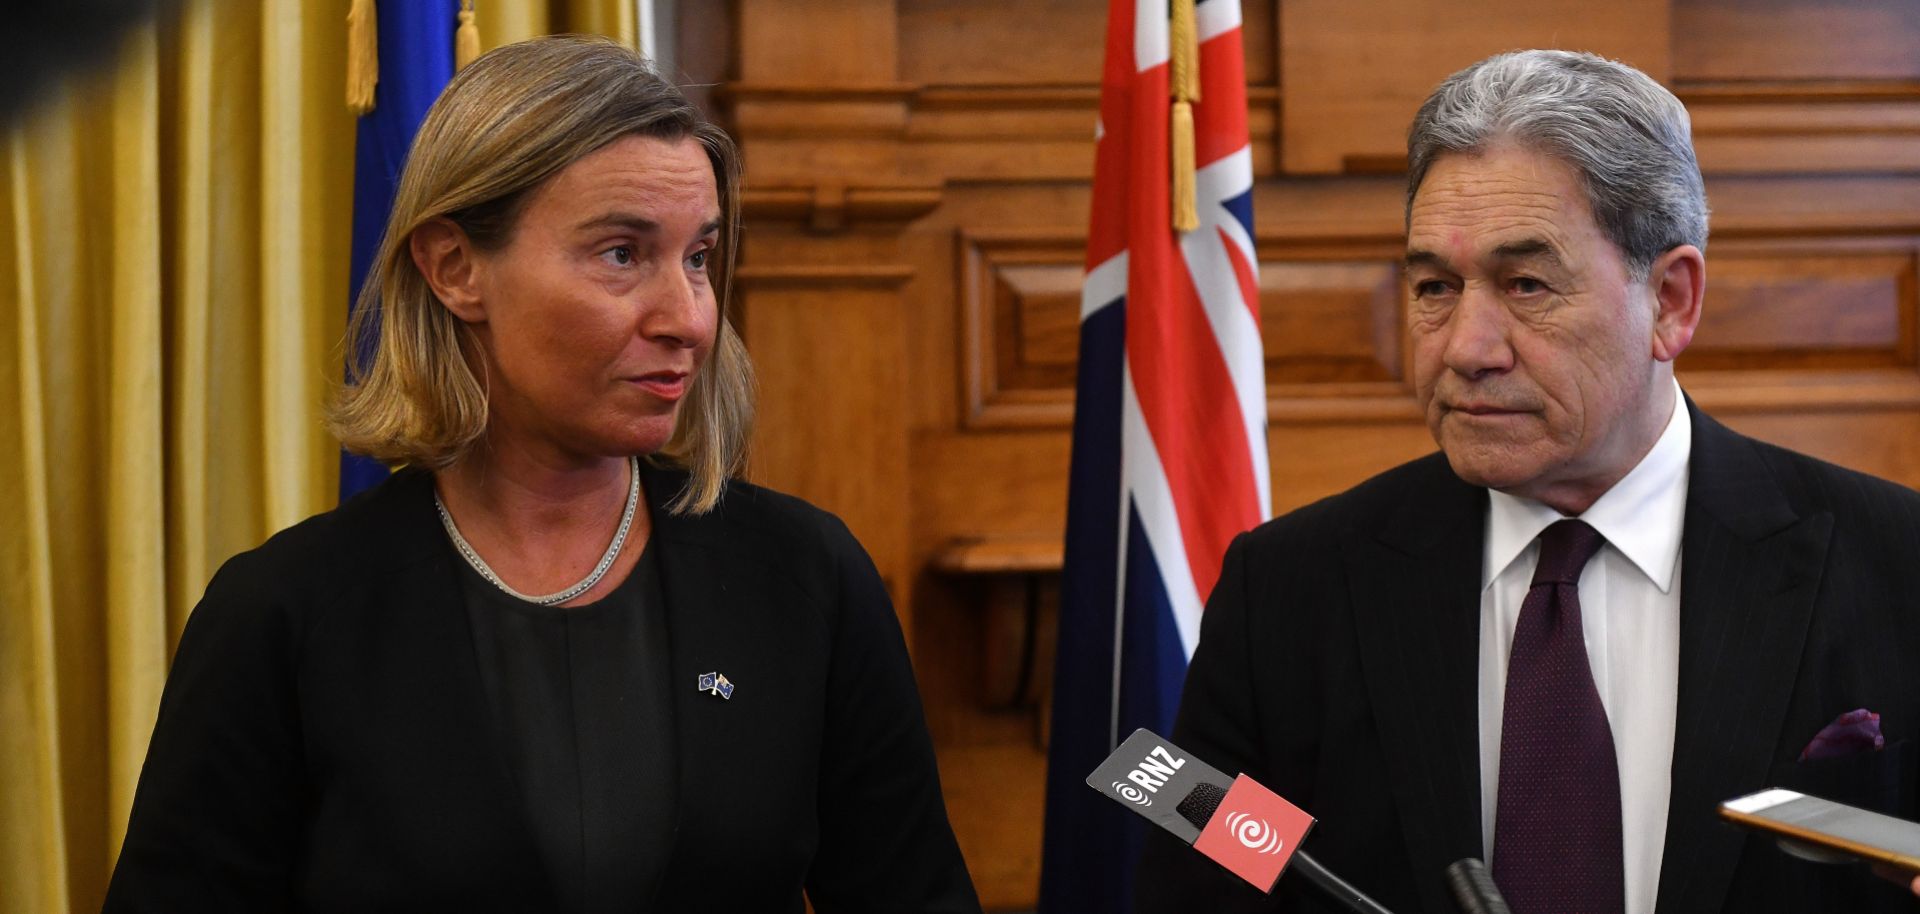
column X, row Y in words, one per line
column 1235, row 822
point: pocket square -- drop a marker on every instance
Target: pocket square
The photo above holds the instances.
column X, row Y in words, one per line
column 1851, row 733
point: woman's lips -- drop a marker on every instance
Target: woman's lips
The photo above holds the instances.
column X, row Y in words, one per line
column 667, row 385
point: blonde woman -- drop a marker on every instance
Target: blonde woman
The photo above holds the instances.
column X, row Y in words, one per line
column 559, row 662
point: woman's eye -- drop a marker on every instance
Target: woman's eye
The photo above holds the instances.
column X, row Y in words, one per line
column 699, row 260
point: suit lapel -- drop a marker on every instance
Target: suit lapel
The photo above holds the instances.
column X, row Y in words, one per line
column 1416, row 586
column 1750, row 568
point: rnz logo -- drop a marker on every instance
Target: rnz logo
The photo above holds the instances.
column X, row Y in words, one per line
column 1132, row 794
column 1254, row 833
column 1149, row 776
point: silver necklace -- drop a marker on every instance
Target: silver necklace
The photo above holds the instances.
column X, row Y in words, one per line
column 599, row 571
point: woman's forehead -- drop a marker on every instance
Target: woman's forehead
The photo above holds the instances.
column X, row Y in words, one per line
column 665, row 183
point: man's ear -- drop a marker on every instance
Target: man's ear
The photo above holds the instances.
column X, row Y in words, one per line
column 1678, row 280
column 446, row 258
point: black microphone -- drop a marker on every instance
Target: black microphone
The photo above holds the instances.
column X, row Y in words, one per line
column 1473, row 888
column 1204, row 800
column 1146, row 771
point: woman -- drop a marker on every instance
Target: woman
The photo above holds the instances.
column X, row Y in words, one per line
column 559, row 661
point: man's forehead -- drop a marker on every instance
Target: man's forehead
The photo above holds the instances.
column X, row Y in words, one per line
column 1509, row 203
column 1518, row 246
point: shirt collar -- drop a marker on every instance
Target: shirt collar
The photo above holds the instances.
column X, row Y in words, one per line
column 1641, row 516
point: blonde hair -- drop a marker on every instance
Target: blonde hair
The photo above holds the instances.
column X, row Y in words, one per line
column 506, row 124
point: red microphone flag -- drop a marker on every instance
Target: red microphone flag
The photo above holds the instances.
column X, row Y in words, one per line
column 1254, row 833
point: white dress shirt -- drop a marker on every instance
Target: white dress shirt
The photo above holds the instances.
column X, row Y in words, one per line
column 1630, row 608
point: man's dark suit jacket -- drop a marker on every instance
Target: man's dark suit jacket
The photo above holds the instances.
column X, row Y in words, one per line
column 324, row 742
column 1339, row 661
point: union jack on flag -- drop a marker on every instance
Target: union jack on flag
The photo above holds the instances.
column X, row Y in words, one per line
column 1169, row 432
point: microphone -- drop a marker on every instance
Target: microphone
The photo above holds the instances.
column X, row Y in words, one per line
column 1473, row 888
column 1257, row 835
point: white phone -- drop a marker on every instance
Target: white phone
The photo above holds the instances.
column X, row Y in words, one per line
column 1833, row 827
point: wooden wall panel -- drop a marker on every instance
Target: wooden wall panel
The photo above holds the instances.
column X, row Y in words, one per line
column 917, row 200
column 1795, row 40
column 1326, row 324
column 1778, row 308
column 792, row 318
column 1352, row 74
column 1328, row 321
column 967, row 42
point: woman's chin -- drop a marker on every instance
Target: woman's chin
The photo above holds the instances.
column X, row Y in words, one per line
column 645, row 437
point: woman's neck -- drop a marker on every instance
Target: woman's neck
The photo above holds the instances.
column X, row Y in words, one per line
column 541, row 519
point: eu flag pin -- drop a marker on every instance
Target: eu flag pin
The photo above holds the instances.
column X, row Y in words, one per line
column 715, row 684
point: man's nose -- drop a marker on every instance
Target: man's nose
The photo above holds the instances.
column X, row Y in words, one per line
column 1477, row 335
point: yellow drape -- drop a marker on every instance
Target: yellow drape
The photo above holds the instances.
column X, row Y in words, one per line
column 173, row 286
column 504, row 23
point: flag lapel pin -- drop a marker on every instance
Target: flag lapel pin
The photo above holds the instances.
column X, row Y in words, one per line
column 715, row 684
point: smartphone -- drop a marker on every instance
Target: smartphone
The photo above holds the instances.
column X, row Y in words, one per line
column 1834, row 827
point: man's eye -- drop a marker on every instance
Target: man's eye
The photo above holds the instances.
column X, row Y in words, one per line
column 1429, row 288
column 621, row 255
column 1527, row 285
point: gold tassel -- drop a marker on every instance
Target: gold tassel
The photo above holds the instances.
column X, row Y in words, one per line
column 1183, row 65
column 1183, row 51
column 466, row 38
column 1186, row 214
column 363, row 56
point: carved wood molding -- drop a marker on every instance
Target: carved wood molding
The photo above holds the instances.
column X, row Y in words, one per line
column 897, row 134
column 1014, row 374
column 764, row 91
column 1804, row 91
column 885, row 276
column 1735, row 392
column 1807, row 321
column 832, row 207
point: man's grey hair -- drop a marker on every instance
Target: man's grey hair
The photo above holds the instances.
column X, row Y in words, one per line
column 1626, row 136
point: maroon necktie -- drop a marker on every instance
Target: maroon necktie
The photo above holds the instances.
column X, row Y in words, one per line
column 1556, row 830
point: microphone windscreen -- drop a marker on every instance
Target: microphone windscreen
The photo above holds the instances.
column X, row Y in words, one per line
column 1473, row 888
column 1201, row 803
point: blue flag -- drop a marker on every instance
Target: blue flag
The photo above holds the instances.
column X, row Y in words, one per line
column 416, row 61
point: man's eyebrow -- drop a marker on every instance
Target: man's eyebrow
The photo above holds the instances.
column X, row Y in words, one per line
column 1424, row 258
column 1529, row 248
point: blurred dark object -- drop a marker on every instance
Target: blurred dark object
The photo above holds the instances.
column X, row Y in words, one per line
column 45, row 40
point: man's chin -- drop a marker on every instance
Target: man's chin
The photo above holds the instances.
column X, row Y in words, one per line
column 1491, row 469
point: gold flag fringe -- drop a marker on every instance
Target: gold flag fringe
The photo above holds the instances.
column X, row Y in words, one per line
column 363, row 56
column 466, row 38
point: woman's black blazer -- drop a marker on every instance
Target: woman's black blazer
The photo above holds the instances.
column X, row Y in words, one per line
column 324, row 743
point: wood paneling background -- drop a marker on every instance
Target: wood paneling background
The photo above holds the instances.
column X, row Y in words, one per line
column 917, row 197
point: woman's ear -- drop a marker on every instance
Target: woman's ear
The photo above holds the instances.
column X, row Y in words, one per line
column 1679, row 280
column 446, row 257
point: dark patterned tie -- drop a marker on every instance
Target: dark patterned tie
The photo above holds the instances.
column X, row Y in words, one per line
column 1556, row 831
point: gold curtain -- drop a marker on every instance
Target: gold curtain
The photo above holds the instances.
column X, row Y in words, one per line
column 173, row 287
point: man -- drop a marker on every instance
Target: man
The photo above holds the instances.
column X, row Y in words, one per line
column 1559, row 644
